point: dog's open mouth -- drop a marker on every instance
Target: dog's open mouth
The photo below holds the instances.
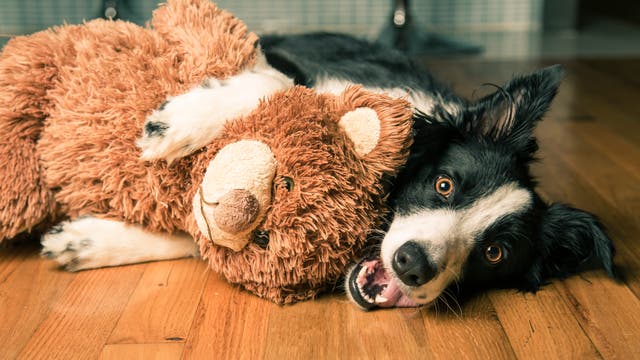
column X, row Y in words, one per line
column 371, row 286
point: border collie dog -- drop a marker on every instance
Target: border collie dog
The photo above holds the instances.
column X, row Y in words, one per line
column 465, row 208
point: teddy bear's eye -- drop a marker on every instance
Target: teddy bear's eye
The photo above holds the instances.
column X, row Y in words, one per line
column 261, row 238
column 287, row 182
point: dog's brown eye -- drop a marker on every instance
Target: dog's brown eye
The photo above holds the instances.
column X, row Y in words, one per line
column 287, row 182
column 444, row 185
column 493, row 253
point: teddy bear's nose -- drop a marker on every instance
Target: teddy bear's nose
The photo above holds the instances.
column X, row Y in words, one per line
column 236, row 211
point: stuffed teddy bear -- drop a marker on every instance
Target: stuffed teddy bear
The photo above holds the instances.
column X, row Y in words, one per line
column 280, row 201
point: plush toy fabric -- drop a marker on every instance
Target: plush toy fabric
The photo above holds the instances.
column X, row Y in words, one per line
column 281, row 202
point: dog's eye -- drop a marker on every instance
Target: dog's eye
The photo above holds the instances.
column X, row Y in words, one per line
column 444, row 185
column 287, row 182
column 493, row 253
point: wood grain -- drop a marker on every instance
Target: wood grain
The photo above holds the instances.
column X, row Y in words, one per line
column 81, row 320
column 229, row 323
column 162, row 351
column 590, row 157
column 163, row 303
column 474, row 332
column 28, row 287
column 331, row 327
column 532, row 323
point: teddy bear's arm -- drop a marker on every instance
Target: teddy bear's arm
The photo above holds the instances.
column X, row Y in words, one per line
column 187, row 122
column 89, row 243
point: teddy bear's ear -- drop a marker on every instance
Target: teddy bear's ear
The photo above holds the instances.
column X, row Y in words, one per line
column 209, row 42
column 379, row 127
column 362, row 125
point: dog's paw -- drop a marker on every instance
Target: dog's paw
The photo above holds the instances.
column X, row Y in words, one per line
column 168, row 132
column 70, row 247
column 185, row 123
column 89, row 243
column 190, row 121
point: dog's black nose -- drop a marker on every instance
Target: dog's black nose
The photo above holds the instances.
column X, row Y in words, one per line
column 412, row 265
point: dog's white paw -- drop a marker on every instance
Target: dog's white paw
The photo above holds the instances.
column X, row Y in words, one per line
column 89, row 243
column 180, row 126
column 73, row 247
column 188, row 122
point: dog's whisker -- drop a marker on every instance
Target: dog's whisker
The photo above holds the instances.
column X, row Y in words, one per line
column 453, row 298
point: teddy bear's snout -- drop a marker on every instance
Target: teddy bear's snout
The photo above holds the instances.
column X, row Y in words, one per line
column 236, row 211
column 235, row 193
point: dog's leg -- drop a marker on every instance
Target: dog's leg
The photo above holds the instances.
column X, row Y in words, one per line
column 88, row 243
column 187, row 122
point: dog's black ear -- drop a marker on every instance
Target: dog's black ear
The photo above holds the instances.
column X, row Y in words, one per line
column 570, row 240
column 430, row 138
column 511, row 113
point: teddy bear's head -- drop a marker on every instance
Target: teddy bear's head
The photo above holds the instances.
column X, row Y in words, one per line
column 288, row 195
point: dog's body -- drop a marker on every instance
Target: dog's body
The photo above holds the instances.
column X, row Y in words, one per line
column 465, row 206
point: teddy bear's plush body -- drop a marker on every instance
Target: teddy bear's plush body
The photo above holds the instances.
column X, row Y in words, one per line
column 280, row 201
column 74, row 99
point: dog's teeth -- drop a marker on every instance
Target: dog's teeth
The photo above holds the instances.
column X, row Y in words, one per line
column 362, row 273
column 380, row 299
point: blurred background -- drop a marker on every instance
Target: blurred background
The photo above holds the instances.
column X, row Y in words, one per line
column 491, row 29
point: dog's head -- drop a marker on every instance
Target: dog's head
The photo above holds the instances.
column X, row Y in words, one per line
column 466, row 211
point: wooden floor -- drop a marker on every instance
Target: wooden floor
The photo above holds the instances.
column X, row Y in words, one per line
column 177, row 309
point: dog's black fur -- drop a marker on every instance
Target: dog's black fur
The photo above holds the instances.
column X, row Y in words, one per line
column 481, row 145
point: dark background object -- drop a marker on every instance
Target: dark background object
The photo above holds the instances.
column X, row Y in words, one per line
column 403, row 33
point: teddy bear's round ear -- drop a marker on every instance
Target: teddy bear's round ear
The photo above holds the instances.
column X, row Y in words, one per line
column 362, row 125
column 379, row 127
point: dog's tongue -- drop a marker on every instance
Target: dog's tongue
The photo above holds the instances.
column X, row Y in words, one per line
column 371, row 286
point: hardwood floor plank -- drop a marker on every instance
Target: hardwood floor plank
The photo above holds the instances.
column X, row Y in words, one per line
column 28, row 288
column 331, row 327
column 229, row 323
column 608, row 312
column 81, row 320
column 474, row 333
column 533, row 323
column 161, row 351
column 610, row 106
column 624, row 154
column 625, row 70
column 613, row 90
column 163, row 304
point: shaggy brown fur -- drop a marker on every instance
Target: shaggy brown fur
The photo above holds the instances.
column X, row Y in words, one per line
column 73, row 101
